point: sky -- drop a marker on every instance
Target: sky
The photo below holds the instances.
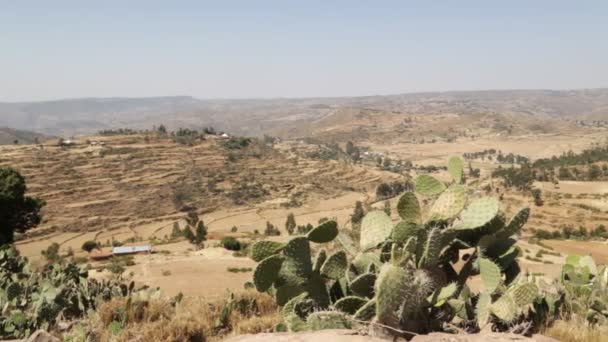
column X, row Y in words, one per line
column 251, row 49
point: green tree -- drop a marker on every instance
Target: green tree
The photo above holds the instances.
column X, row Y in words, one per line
column 189, row 235
column 290, row 225
column 18, row 212
column 51, row 254
column 358, row 213
column 201, row 234
column 176, row 232
column 195, row 230
column 271, row 230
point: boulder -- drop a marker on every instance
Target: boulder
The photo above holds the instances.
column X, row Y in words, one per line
column 354, row 336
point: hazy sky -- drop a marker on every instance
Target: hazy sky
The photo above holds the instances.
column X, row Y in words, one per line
column 209, row 49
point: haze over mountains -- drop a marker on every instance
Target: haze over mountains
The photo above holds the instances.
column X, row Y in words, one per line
column 257, row 116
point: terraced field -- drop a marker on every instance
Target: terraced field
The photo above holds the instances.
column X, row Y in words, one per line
column 133, row 190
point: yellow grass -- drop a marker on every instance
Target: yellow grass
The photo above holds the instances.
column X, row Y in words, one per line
column 575, row 330
column 193, row 319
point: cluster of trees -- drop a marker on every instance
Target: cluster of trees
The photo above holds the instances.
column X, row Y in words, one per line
column 333, row 151
column 493, row 154
column 591, row 155
column 237, row 143
column 387, row 190
column 271, row 230
column 569, row 232
column 293, row 228
column 195, row 230
column 119, row 131
column 186, row 136
column 520, row 178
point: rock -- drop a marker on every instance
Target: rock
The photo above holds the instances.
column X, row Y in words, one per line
column 484, row 337
column 308, row 336
column 42, row 336
column 354, row 336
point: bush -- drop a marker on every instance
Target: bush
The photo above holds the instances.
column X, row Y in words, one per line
column 271, row 230
column 90, row 245
column 231, row 243
column 51, row 254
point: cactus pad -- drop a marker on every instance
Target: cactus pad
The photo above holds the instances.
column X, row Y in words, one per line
column 367, row 312
column 317, row 290
column 524, row 294
column 362, row 262
column 428, row 186
column 505, row 308
column 482, row 309
column 263, row 249
column 267, row 272
column 287, row 292
column 430, row 248
column 479, row 212
column 392, row 288
column 375, row 228
column 322, row 320
column 490, row 274
column 296, row 324
column 319, row 260
column 297, row 257
column 404, row 230
column 325, row 232
column 363, row 285
column 449, row 204
column 350, row 304
column 335, row 266
column 445, row 293
column 409, row 208
column 456, row 169
column 516, row 224
column 288, row 308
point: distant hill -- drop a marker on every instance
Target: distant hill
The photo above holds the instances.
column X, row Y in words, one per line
column 258, row 116
column 9, row 136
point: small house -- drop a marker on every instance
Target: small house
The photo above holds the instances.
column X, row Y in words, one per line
column 127, row 250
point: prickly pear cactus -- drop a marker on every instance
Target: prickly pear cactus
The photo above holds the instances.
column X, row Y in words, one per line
column 428, row 185
column 403, row 274
column 375, row 228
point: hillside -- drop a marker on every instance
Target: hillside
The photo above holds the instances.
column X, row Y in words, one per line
column 259, row 116
column 130, row 188
column 9, row 136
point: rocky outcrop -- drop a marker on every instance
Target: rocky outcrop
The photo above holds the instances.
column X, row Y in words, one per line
column 353, row 336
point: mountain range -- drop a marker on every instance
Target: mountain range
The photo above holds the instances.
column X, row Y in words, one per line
column 72, row 117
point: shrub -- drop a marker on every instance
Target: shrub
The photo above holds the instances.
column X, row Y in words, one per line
column 231, row 243
column 290, row 224
column 90, row 245
column 51, row 253
column 271, row 230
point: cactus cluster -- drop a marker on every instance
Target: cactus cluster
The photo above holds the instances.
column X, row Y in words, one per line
column 36, row 299
column 586, row 288
column 411, row 275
